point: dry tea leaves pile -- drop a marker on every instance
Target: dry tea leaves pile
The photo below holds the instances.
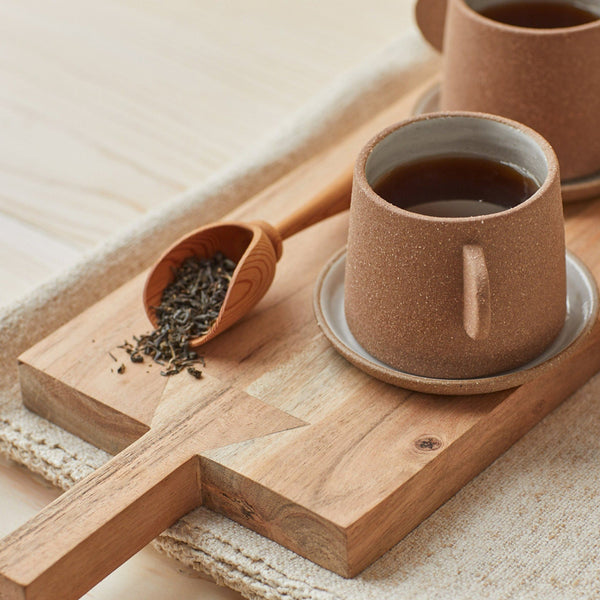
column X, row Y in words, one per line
column 189, row 306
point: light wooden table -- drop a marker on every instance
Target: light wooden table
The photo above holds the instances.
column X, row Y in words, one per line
column 110, row 108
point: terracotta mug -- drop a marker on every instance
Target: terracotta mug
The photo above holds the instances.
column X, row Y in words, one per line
column 548, row 79
column 456, row 297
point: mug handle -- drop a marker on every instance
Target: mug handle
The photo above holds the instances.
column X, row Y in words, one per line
column 431, row 17
column 476, row 293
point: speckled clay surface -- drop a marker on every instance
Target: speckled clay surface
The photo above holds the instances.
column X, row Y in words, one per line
column 548, row 79
column 404, row 271
column 582, row 312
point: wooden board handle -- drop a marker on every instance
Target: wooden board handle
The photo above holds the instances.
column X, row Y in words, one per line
column 98, row 524
column 102, row 521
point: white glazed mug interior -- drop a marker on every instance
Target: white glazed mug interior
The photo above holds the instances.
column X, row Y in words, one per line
column 457, row 136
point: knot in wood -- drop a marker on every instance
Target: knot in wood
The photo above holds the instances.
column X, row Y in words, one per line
column 428, row 443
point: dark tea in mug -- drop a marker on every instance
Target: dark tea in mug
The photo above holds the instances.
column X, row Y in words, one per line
column 455, row 186
column 539, row 15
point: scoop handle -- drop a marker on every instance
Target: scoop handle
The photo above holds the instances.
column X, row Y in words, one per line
column 476, row 292
column 330, row 201
column 98, row 524
column 431, row 18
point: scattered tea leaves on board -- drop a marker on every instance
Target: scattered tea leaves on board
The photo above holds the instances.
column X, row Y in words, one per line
column 189, row 306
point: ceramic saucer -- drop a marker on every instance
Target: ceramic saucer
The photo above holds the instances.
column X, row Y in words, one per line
column 572, row 189
column 582, row 309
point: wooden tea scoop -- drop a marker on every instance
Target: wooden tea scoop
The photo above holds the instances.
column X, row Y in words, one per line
column 90, row 530
column 255, row 247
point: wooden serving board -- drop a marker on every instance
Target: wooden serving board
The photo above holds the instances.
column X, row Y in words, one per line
column 369, row 461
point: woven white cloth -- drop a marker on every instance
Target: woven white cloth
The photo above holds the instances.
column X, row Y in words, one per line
column 527, row 527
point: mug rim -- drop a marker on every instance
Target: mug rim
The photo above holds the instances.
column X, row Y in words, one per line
column 529, row 30
column 552, row 176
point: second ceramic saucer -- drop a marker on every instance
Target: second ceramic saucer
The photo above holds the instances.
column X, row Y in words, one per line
column 582, row 310
column 572, row 189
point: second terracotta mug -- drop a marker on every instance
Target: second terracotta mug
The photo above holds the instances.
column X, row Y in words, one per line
column 548, row 78
column 456, row 296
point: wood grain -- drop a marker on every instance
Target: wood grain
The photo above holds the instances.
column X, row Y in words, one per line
column 112, row 514
column 148, row 574
column 375, row 460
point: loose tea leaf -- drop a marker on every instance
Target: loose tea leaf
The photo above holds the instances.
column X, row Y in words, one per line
column 194, row 372
column 189, row 307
